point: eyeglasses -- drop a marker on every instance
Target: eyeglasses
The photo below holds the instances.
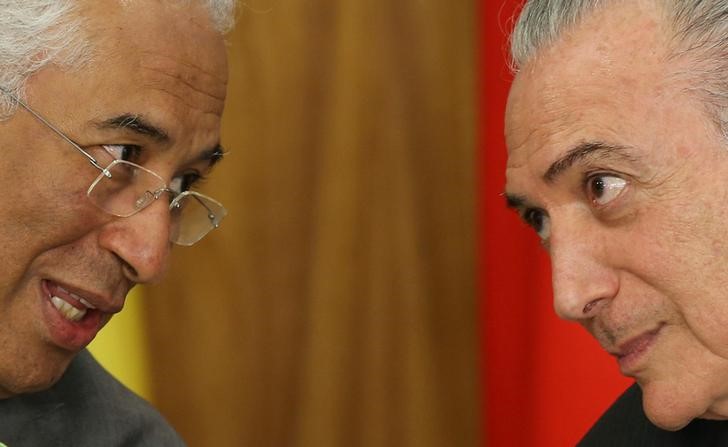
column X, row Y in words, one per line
column 124, row 188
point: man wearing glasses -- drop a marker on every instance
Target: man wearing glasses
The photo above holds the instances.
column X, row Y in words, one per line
column 109, row 114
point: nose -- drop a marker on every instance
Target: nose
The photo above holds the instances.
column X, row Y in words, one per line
column 141, row 241
column 583, row 280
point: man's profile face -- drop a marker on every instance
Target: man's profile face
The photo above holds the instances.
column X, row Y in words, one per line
column 164, row 65
column 625, row 177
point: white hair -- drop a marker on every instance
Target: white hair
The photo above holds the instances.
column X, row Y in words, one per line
column 34, row 33
column 699, row 30
column 222, row 14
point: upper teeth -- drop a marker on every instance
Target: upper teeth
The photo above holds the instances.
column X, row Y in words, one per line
column 67, row 310
column 84, row 302
column 78, row 298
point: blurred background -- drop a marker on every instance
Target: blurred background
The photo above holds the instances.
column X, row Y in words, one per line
column 336, row 305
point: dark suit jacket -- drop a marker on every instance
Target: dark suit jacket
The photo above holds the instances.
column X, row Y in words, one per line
column 86, row 408
column 625, row 424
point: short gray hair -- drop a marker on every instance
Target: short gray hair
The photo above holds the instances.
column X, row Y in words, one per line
column 34, row 33
column 699, row 30
column 222, row 14
column 541, row 22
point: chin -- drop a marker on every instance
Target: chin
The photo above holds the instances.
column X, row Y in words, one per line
column 32, row 384
column 672, row 409
column 666, row 420
column 33, row 375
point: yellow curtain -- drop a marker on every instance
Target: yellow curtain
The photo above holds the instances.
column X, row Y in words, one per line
column 336, row 305
column 122, row 346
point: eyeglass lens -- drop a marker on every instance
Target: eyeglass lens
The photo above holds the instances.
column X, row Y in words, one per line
column 129, row 188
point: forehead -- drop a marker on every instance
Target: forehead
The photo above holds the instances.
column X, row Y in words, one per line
column 167, row 45
column 590, row 84
column 161, row 61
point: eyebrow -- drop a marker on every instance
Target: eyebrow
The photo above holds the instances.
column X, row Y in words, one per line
column 589, row 149
column 582, row 151
column 214, row 155
column 141, row 126
column 136, row 124
column 515, row 201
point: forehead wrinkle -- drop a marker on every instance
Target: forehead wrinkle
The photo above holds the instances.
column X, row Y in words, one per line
column 187, row 102
column 190, row 74
column 193, row 87
column 543, row 125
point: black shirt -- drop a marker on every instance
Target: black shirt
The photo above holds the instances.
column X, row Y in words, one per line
column 86, row 408
column 625, row 424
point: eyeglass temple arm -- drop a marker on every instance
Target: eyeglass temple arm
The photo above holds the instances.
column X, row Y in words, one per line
column 210, row 214
column 90, row 158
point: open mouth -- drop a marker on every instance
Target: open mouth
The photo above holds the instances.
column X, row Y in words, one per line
column 71, row 306
column 72, row 318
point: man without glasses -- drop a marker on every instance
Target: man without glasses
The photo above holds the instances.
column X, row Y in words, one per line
column 110, row 114
column 617, row 134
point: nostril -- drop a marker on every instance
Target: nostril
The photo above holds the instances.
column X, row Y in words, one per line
column 589, row 307
column 129, row 270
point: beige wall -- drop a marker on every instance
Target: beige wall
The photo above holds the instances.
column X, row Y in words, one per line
column 336, row 305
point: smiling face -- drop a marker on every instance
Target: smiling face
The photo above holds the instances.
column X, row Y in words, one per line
column 162, row 65
column 625, row 177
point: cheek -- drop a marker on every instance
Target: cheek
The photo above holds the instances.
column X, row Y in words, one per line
column 42, row 211
column 680, row 251
column 702, row 297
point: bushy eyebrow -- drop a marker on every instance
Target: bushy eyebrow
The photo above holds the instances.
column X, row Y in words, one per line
column 141, row 126
column 136, row 124
column 587, row 150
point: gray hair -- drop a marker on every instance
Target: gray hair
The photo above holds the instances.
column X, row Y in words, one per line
column 34, row 33
column 699, row 31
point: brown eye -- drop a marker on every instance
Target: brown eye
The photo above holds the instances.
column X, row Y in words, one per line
column 126, row 152
column 602, row 189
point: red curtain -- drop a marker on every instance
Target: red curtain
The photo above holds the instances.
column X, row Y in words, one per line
column 545, row 380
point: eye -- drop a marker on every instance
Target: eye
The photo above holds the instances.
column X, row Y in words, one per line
column 184, row 182
column 126, row 152
column 539, row 221
column 601, row 189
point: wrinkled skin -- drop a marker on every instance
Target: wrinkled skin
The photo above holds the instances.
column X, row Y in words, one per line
column 160, row 62
column 623, row 173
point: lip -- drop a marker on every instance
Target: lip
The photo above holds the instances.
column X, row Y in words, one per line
column 632, row 354
column 96, row 300
column 67, row 334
